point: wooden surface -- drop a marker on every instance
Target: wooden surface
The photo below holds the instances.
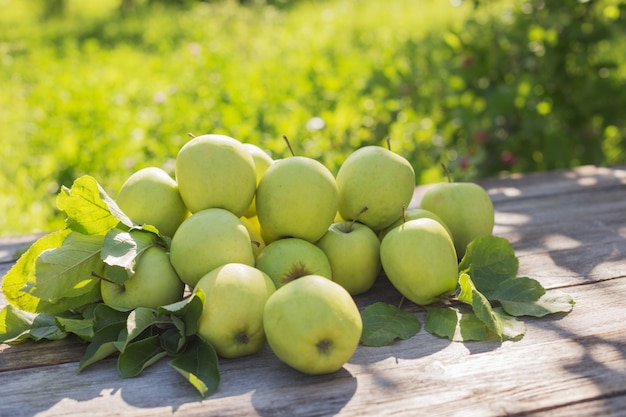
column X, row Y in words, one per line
column 569, row 231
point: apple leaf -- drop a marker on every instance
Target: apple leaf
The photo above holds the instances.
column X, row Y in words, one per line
column 23, row 271
column 102, row 344
column 17, row 325
column 465, row 288
column 89, row 208
column 520, row 290
column 455, row 325
column 527, row 297
column 173, row 339
column 66, row 271
column 120, row 251
column 497, row 321
column 138, row 321
column 489, row 260
column 137, row 356
column 549, row 303
column 383, row 323
column 83, row 327
column 189, row 309
column 504, row 326
column 103, row 316
column 199, row 365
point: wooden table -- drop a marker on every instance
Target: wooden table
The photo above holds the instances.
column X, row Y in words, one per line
column 569, row 231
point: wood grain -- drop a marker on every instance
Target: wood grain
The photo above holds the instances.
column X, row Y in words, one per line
column 569, row 231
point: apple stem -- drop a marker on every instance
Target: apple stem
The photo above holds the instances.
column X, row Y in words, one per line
column 403, row 214
column 256, row 243
column 447, row 171
column 191, row 135
column 289, row 145
column 388, row 142
column 93, row 274
column 400, row 303
column 363, row 210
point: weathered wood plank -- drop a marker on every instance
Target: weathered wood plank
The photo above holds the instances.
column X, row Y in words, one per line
column 569, row 229
column 563, row 360
column 29, row 354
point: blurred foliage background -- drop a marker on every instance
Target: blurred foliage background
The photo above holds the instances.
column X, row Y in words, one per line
column 107, row 87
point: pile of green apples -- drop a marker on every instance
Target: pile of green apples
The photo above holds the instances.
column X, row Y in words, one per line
column 281, row 247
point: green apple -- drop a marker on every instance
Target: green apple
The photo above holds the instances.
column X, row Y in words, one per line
column 232, row 316
column 216, row 171
column 287, row 259
column 150, row 196
column 296, row 197
column 376, row 178
column 258, row 243
column 419, row 259
column 312, row 324
column 207, row 239
column 411, row 214
column 262, row 162
column 154, row 283
column 353, row 250
column 464, row 207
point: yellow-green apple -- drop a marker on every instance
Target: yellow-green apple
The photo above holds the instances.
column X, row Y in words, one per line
column 419, row 259
column 262, row 161
column 465, row 207
column 258, row 243
column 353, row 250
column 376, row 178
column 207, row 239
column 232, row 316
column 150, row 196
column 215, row 171
column 153, row 284
column 411, row 214
column 296, row 197
column 312, row 324
column 287, row 259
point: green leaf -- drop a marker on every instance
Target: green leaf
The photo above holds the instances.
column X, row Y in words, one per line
column 66, row 271
column 518, row 290
column 511, row 327
column 17, row 325
column 105, row 316
column 384, row 323
column 121, row 249
column 501, row 324
column 466, row 286
column 189, row 309
column 549, row 303
column 173, row 339
column 23, row 271
column 137, row 322
column 102, row 345
column 89, row 209
column 199, row 365
column 489, row 260
column 456, row 325
column 82, row 327
column 137, row 356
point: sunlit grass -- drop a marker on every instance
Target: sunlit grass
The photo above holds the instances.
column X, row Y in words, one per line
column 104, row 93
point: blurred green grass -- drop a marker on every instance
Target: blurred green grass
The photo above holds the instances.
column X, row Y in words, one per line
column 100, row 92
